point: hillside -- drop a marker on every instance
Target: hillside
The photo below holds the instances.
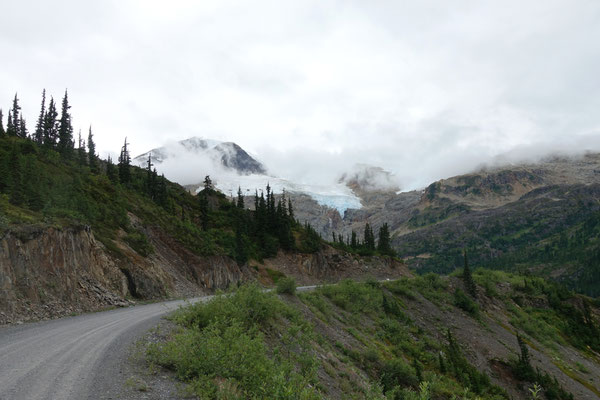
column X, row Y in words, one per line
column 539, row 218
column 415, row 338
column 80, row 234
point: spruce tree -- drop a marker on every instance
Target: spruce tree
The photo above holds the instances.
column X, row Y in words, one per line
column 50, row 125
column 92, row 161
column 65, row 131
column 23, row 132
column 2, row 131
column 13, row 119
column 369, row 238
column 353, row 241
column 38, row 135
column 290, row 210
column 162, row 195
column 124, row 164
column 10, row 130
column 384, row 246
column 150, row 182
column 208, row 185
column 470, row 285
column 240, row 199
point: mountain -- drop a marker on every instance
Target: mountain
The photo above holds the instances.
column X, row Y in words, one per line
column 227, row 154
column 537, row 217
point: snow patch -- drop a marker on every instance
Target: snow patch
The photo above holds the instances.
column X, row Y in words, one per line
column 336, row 196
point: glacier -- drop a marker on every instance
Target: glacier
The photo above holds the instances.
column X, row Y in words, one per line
column 336, row 196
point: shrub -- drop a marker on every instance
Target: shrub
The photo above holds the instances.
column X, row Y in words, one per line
column 286, row 286
column 139, row 242
column 461, row 300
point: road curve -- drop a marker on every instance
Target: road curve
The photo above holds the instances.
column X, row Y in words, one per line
column 76, row 357
column 72, row 358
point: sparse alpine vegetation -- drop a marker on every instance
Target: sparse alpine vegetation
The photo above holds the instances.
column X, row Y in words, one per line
column 404, row 339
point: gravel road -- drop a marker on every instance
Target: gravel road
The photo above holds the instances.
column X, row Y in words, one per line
column 73, row 358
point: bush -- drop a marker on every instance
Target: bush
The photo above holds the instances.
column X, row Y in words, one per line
column 461, row 300
column 286, row 286
column 222, row 353
column 139, row 242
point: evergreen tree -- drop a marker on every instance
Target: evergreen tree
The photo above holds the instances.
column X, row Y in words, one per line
column 208, row 185
column 13, row 119
column 65, row 131
column 124, row 164
column 38, row 136
column 92, row 161
column 353, row 241
column 150, row 182
column 50, row 125
column 470, row 285
column 162, row 195
column 290, row 209
column 10, row 130
column 384, row 246
column 240, row 199
column 369, row 238
column 22, row 131
column 2, row 131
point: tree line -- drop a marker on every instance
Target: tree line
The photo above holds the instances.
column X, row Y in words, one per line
column 368, row 246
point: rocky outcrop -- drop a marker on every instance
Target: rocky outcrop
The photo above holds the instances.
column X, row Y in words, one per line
column 46, row 272
column 329, row 266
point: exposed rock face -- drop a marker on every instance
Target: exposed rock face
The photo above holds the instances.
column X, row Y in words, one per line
column 49, row 272
column 329, row 266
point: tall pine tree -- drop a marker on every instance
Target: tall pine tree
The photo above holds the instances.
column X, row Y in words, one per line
column 240, row 199
column 65, row 131
column 384, row 246
column 38, row 135
column 23, row 132
column 92, row 161
column 124, row 164
column 2, row 131
column 50, row 125
column 13, row 118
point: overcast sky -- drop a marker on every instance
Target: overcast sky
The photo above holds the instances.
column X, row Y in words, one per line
column 425, row 89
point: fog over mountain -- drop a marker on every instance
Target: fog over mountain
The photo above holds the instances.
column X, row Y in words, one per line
column 424, row 89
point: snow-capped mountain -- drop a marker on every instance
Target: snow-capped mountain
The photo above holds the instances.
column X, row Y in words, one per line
column 228, row 155
column 229, row 166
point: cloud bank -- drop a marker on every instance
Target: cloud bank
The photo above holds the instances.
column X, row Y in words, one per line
column 424, row 89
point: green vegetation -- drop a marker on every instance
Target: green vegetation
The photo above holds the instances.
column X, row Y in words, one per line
column 227, row 348
column 368, row 246
column 553, row 228
column 369, row 347
column 286, row 286
column 46, row 181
